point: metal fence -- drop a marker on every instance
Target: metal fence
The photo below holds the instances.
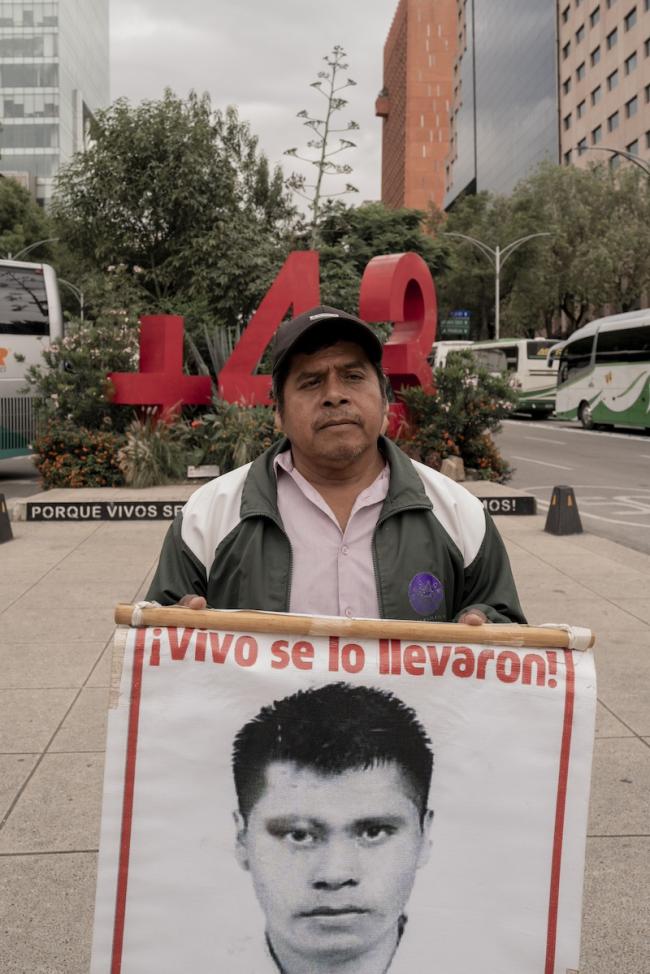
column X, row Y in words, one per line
column 18, row 425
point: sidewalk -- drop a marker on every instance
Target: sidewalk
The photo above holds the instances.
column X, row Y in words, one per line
column 59, row 583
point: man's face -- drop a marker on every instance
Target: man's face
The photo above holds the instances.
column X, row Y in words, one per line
column 333, row 858
column 333, row 408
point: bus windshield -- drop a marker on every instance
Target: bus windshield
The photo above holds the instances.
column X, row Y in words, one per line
column 23, row 301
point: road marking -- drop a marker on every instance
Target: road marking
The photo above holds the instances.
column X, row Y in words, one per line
column 541, row 439
column 543, row 463
column 621, row 436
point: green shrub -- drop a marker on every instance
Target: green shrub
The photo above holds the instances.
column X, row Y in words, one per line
column 156, row 452
column 231, row 435
column 72, row 384
column 457, row 419
column 67, row 455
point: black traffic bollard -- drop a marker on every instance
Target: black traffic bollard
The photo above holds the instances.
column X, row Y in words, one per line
column 563, row 517
column 5, row 523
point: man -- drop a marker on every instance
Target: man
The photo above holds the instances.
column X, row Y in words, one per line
column 335, row 519
column 332, row 824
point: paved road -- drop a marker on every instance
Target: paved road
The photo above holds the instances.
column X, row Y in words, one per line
column 610, row 473
column 18, row 478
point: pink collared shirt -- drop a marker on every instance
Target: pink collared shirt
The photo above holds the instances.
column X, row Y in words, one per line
column 333, row 571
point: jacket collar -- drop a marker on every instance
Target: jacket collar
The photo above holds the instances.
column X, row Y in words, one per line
column 260, row 493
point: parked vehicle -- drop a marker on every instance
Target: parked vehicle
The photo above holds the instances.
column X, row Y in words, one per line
column 440, row 351
column 604, row 372
column 30, row 318
column 525, row 361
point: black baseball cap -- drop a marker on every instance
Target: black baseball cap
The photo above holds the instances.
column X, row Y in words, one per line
column 353, row 329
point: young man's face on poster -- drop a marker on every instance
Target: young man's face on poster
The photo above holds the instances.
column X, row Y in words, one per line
column 333, row 859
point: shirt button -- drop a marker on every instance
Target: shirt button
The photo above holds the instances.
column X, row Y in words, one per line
column 344, row 549
column 348, row 613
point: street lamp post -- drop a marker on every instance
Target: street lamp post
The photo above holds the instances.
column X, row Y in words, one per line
column 78, row 293
column 497, row 258
column 641, row 163
column 26, row 250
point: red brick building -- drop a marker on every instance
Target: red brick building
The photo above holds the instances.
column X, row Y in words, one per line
column 415, row 102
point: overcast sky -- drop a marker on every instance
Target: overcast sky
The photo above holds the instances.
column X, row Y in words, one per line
column 260, row 55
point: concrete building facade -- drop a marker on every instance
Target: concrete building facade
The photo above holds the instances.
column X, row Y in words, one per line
column 54, row 74
column 505, row 98
column 604, row 74
column 415, row 102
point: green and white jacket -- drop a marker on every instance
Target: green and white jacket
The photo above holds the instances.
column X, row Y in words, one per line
column 228, row 544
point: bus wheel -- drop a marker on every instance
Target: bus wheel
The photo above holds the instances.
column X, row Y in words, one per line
column 585, row 416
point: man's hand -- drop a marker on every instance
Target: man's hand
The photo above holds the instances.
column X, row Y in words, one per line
column 473, row 617
column 193, row 602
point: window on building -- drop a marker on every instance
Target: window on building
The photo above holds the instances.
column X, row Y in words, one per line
column 612, row 38
column 567, row 156
column 614, row 162
column 646, row 47
column 566, row 121
column 594, row 16
column 633, row 148
column 582, row 145
column 565, row 14
column 610, row 3
column 630, row 19
column 594, row 57
column 580, row 34
column 612, row 80
column 28, row 15
column 612, row 122
column 596, row 95
column 566, row 86
column 31, row 105
column 580, row 109
column 647, row 93
column 630, row 63
column 580, row 71
column 29, row 75
column 29, row 46
column 647, row 139
column 631, row 107
column 597, row 135
column 566, row 50
column 646, row 5
column 35, row 136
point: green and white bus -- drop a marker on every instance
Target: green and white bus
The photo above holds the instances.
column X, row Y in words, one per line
column 525, row 362
column 604, row 372
column 30, row 318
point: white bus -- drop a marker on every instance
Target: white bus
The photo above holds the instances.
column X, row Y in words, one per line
column 604, row 373
column 30, row 318
column 525, row 362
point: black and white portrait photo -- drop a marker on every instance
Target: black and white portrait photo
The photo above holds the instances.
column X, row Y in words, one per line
column 284, row 805
column 333, row 824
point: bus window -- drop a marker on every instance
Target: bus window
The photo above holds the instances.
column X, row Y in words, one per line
column 492, row 359
column 538, row 349
column 623, row 345
column 23, row 302
column 576, row 356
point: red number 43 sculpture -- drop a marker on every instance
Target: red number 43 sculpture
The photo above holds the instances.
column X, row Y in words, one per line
column 397, row 288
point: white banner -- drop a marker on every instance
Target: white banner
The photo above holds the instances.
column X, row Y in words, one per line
column 269, row 806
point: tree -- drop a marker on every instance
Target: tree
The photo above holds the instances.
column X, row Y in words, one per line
column 322, row 129
column 596, row 258
column 177, row 196
column 352, row 236
column 469, row 279
column 22, row 221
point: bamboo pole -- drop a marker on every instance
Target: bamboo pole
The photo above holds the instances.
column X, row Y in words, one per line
column 493, row 634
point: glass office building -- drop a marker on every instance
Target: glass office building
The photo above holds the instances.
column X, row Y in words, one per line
column 53, row 76
column 505, row 115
